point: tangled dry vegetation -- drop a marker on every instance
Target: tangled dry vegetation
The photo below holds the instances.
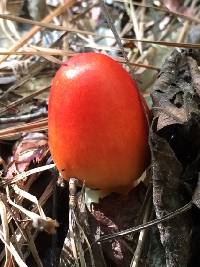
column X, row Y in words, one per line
column 157, row 224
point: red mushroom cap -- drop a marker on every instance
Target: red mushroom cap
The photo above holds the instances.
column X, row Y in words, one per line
column 98, row 130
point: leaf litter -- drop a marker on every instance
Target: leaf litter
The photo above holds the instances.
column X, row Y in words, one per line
column 156, row 224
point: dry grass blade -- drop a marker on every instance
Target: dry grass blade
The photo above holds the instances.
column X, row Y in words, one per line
column 52, row 26
column 21, row 101
column 76, row 231
column 62, row 28
column 33, row 248
column 87, row 241
column 5, row 227
column 40, row 222
column 59, row 10
column 45, row 24
column 13, row 251
column 170, row 44
column 40, row 125
column 72, row 237
column 134, row 19
column 10, row 31
column 31, row 198
column 15, row 235
column 72, row 225
column 45, row 52
column 165, row 10
column 22, row 234
column 23, row 175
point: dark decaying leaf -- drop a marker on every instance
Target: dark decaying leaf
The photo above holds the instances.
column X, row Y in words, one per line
column 175, row 147
column 196, row 195
column 168, row 195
